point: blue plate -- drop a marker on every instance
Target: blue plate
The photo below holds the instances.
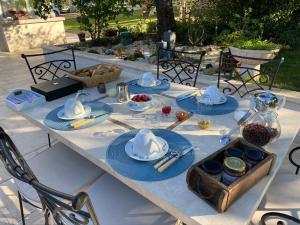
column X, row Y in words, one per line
column 144, row 171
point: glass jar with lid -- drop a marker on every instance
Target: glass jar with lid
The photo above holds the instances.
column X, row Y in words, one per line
column 260, row 128
column 234, row 168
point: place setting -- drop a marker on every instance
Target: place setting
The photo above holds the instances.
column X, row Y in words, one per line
column 148, row 84
column 207, row 101
column 76, row 114
column 150, row 154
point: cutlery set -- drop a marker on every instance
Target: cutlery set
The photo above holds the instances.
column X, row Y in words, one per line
column 169, row 160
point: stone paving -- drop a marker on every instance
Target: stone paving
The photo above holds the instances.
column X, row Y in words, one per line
column 31, row 140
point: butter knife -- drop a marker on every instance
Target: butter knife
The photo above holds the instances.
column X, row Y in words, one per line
column 188, row 95
column 85, row 121
column 173, row 160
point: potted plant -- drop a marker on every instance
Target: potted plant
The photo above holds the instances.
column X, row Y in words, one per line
column 81, row 34
column 254, row 48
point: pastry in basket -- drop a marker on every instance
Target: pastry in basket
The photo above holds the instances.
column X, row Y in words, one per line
column 83, row 73
column 98, row 72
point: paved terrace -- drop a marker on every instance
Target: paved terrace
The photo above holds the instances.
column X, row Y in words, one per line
column 31, row 140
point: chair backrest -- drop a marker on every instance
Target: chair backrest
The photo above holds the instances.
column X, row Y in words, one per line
column 245, row 78
column 59, row 65
column 65, row 208
column 297, row 165
column 178, row 66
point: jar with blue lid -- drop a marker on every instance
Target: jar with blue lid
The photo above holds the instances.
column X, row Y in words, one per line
column 234, row 152
column 253, row 157
column 234, row 168
column 213, row 168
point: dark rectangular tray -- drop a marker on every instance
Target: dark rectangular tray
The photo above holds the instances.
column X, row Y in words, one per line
column 219, row 195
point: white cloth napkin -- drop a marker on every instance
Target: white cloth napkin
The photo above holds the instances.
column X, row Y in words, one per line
column 145, row 143
column 148, row 79
column 73, row 107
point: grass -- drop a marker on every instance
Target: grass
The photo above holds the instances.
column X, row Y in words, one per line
column 289, row 74
column 71, row 25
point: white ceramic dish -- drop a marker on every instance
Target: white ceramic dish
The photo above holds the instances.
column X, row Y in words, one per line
column 138, row 108
column 61, row 114
column 157, row 83
column 153, row 156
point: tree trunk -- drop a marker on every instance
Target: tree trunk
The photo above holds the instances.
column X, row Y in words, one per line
column 165, row 16
column 182, row 4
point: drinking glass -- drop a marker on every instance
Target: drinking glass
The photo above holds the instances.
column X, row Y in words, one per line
column 111, row 89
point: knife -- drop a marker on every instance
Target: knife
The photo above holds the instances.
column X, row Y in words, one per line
column 173, row 160
column 188, row 95
column 85, row 121
column 167, row 158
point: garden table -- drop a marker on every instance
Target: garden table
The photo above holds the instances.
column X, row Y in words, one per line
column 172, row 195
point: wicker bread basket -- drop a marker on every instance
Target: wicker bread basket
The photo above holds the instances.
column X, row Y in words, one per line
column 101, row 73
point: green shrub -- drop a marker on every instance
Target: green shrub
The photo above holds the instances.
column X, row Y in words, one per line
column 256, row 44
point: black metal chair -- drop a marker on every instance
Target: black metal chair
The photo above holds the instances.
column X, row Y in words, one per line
column 49, row 70
column 245, row 80
column 178, row 66
column 268, row 215
column 63, row 207
column 112, row 201
column 57, row 67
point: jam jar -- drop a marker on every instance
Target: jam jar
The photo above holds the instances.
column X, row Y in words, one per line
column 234, row 152
column 234, row 168
column 261, row 128
column 253, row 156
column 213, row 168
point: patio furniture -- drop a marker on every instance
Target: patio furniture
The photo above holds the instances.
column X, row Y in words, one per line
column 57, row 67
column 283, row 195
column 55, row 167
column 245, row 79
column 171, row 195
column 50, row 70
column 104, row 198
column 179, row 67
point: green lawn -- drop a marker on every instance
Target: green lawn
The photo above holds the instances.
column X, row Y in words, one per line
column 72, row 25
column 289, row 73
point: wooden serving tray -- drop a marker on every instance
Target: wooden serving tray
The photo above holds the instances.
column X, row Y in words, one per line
column 219, row 195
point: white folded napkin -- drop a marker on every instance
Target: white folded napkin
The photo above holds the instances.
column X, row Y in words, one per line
column 73, row 107
column 148, row 79
column 145, row 143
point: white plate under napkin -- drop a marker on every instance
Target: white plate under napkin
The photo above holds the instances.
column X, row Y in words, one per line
column 87, row 112
column 153, row 156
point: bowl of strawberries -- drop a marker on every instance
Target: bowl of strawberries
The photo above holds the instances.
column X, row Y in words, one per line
column 140, row 102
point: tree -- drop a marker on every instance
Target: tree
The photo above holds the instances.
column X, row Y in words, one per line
column 165, row 16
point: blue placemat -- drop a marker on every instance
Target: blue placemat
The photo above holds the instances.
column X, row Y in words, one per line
column 144, row 171
column 191, row 105
column 52, row 121
column 134, row 88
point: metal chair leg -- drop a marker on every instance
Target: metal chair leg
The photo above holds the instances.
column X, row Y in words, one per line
column 49, row 141
column 21, row 208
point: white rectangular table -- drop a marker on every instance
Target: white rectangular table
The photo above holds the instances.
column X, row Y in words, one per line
column 172, row 195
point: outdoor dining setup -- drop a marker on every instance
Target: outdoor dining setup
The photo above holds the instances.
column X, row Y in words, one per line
column 139, row 146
